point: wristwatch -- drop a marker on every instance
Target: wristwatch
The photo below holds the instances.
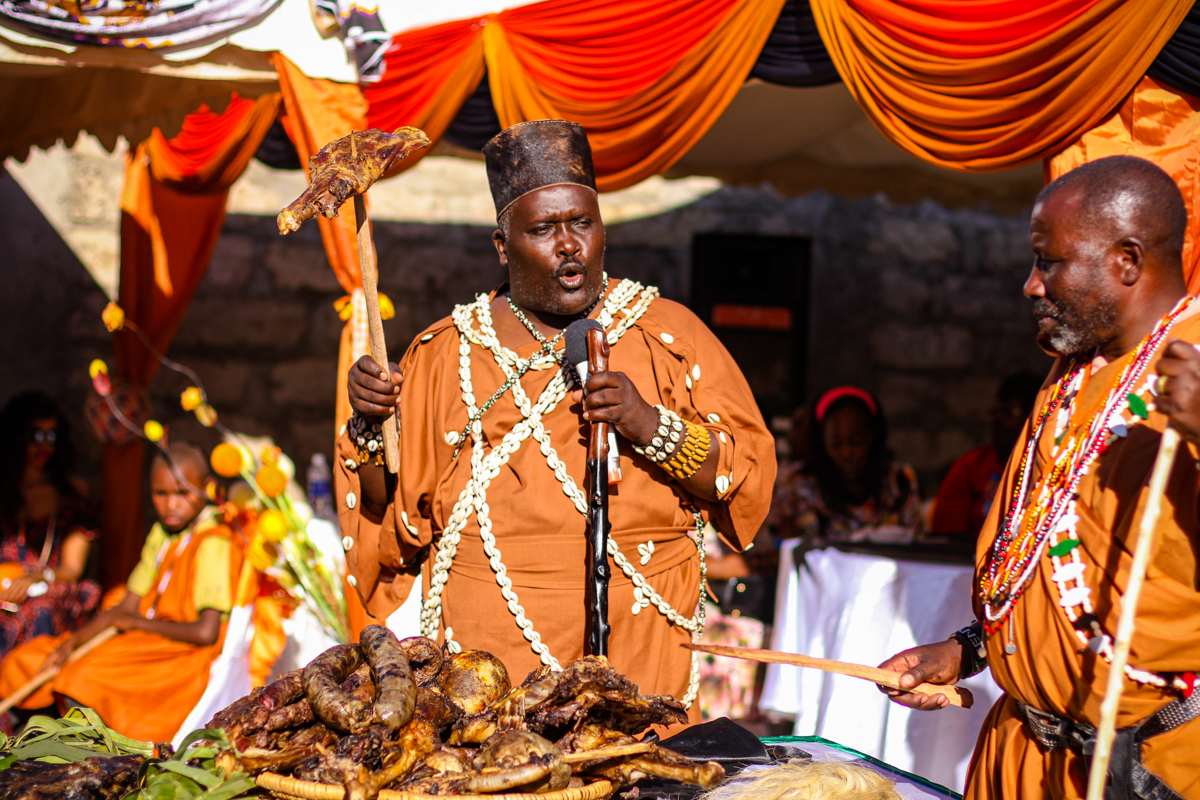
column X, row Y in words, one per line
column 974, row 649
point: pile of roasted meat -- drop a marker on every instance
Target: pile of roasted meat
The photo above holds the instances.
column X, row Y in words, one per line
column 401, row 714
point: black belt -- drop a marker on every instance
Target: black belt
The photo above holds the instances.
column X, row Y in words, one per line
column 1128, row 779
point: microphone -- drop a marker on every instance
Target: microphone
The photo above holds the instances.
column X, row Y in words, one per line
column 576, row 353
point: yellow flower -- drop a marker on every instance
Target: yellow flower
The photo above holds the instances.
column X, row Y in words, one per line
column 271, row 480
column 154, row 431
column 262, row 554
column 206, row 414
column 270, row 455
column 227, row 460
column 191, row 398
column 97, row 368
column 273, row 525
column 113, row 316
column 387, row 309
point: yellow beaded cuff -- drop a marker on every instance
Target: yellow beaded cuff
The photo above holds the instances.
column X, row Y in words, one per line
column 691, row 453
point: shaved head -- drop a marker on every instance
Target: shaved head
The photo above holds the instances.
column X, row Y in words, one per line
column 1107, row 240
column 187, row 457
column 1124, row 196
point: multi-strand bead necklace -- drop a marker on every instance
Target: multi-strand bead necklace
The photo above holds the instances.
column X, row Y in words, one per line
column 1044, row 516
column 620, row 311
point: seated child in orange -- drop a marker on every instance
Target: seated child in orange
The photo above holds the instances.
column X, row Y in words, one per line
column 146, row 680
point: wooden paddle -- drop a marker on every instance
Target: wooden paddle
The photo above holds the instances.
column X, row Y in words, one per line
column 956, row 695
column 37, row 681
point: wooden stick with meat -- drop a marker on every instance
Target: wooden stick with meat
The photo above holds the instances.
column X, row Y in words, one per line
column 344, row 168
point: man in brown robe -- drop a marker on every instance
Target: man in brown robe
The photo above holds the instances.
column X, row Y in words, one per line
column 487, row 505
column 1106, row 283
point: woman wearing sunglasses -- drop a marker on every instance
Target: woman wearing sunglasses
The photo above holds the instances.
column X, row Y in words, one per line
column 46, row 525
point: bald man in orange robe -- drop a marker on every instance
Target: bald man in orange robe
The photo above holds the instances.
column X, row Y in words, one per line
column 1109, row 294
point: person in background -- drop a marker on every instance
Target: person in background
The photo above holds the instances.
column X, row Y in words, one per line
column 852, row 486
column 47, row 525
column 145, row 681
column 966, row 493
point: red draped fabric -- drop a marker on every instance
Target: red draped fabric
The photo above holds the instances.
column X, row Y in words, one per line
column 646, row 78
column 172, row 211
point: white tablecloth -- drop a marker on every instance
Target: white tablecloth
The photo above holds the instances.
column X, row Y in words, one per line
column 863, row 609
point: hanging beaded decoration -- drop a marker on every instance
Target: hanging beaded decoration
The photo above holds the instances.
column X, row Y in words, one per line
column 1038, row 516
column 622, row 308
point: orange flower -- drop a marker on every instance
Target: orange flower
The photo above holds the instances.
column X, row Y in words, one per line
column 154, row 430
column 191, row 398
column 227, row 460
column 271, row 480
column 273, row 525
column 270, row 455
column 113, row 316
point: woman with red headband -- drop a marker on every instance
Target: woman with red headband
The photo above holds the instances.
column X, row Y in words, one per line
column 852, row 487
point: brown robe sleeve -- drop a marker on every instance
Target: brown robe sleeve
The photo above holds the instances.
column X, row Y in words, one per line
column 383, row 556
column 699, row 380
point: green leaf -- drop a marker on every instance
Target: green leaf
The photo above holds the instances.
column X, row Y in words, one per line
column 206, row 779
column 46, row 751
column 238, row 784
column 214, row 735
column 1138, row 406
column 169, row 786
column 7, row 761
column 1064, row 547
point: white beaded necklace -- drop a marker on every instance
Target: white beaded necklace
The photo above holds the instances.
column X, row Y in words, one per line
column 486, row 465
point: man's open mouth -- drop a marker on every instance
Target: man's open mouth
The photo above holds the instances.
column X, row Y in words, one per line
column 570, row 276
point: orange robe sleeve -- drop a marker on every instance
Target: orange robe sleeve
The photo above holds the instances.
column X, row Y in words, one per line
column 699, row 380
column 383, row 556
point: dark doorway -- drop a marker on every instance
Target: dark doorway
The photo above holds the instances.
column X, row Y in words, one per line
column 753, row 292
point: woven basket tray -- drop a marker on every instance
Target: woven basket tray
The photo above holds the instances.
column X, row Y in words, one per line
column 287, row 788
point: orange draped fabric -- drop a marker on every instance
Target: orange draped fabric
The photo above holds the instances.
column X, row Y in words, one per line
column 142, row 684
column 172, row 210
column 646, row 79
column 317, row 112
column 982, row 85
column 1160, row 125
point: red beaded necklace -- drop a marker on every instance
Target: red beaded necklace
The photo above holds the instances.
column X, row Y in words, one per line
column 1035, row 512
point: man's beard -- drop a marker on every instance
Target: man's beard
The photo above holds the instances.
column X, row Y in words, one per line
column 1079, row 331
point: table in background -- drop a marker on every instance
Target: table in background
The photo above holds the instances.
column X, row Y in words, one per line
column 864, row 608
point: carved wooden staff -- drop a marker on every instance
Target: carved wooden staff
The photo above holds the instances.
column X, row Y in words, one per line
column 370, row 279
column 345, row 167
column 1107, row 730
column 587, row 351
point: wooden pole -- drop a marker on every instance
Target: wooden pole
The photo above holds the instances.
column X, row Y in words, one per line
column 956, row 695
column 1106, row 731
column 37, row 681
column 370, row 279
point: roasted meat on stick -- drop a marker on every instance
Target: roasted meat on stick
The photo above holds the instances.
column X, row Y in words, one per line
column 345, row 168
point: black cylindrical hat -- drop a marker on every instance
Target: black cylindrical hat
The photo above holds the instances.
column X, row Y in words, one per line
column 533, row 155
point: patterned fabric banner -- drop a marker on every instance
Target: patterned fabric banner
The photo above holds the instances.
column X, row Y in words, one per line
column 149, row 24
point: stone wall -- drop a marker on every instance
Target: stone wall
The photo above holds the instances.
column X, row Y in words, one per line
column 917, row 303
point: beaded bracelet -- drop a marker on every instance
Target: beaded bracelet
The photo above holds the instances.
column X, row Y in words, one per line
column 666, row 437
column 691, row 453
column 367, row 438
